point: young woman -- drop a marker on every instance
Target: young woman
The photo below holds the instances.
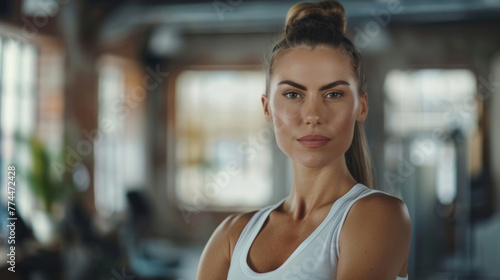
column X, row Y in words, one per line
column 316, row 100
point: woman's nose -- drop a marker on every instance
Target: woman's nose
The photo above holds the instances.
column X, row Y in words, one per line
column 313, row 120
column 313, row 113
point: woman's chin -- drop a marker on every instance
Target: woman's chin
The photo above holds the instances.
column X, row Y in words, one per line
column 312, row 158
column 313, row 162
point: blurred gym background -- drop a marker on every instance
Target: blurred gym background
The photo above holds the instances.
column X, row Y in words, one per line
column 135, row 128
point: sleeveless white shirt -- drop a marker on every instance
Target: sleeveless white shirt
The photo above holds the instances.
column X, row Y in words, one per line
column 315, row 258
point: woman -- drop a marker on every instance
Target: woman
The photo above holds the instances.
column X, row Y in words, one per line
column 316, row 100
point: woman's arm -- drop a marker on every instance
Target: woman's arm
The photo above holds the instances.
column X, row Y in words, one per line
column 216, row 257
column 375, row 239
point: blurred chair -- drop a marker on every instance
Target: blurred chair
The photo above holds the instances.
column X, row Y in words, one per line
column 86, row 253
column 148, row 257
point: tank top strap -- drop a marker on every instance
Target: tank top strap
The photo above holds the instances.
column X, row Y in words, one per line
column 252, row 228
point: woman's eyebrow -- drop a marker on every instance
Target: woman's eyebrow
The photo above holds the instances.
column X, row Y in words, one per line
column 299, row 86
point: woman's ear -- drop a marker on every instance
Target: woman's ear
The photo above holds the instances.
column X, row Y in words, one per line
column 265, row 105
column 363, row 110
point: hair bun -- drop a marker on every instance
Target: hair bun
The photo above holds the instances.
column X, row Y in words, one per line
column 328, row 14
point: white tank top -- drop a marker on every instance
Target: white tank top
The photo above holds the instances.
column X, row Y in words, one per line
column 315, row 258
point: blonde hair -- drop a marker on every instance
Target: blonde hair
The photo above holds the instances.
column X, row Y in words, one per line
column 323, row 23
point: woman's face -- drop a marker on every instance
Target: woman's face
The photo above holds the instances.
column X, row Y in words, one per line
column 313, row 104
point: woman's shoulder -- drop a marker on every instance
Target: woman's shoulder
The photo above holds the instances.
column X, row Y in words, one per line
column 233, row 226
column 380, row 204
column 218, row 252
column 382, row 200
column 378, row 227
column 235, row 223
column 219, row 249
column 379, row 214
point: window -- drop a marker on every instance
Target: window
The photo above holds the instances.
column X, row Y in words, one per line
column 18, row 123
column 223, row 144
column 424, row 103
column 108, row 142
column 422, row 100
column 17, row 91
column 119, row 144
column 18, row 64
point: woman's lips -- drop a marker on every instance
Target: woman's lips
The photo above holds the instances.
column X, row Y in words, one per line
column 313, row 141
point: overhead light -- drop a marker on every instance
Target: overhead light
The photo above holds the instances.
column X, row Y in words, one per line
column 165, row 41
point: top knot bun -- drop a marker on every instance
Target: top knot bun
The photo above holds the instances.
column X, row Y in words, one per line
column 329, row 14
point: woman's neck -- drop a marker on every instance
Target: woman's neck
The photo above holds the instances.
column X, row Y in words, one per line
column 314, row 188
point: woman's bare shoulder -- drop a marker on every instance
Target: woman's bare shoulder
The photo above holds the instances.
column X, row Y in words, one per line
column 382, row 202
column 378, row 214
column 234, row 224
column 380, row 206
column 217, row 254
column 377, row 228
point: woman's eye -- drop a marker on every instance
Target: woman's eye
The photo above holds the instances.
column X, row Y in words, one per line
column 291, row 95
column 334, row 95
